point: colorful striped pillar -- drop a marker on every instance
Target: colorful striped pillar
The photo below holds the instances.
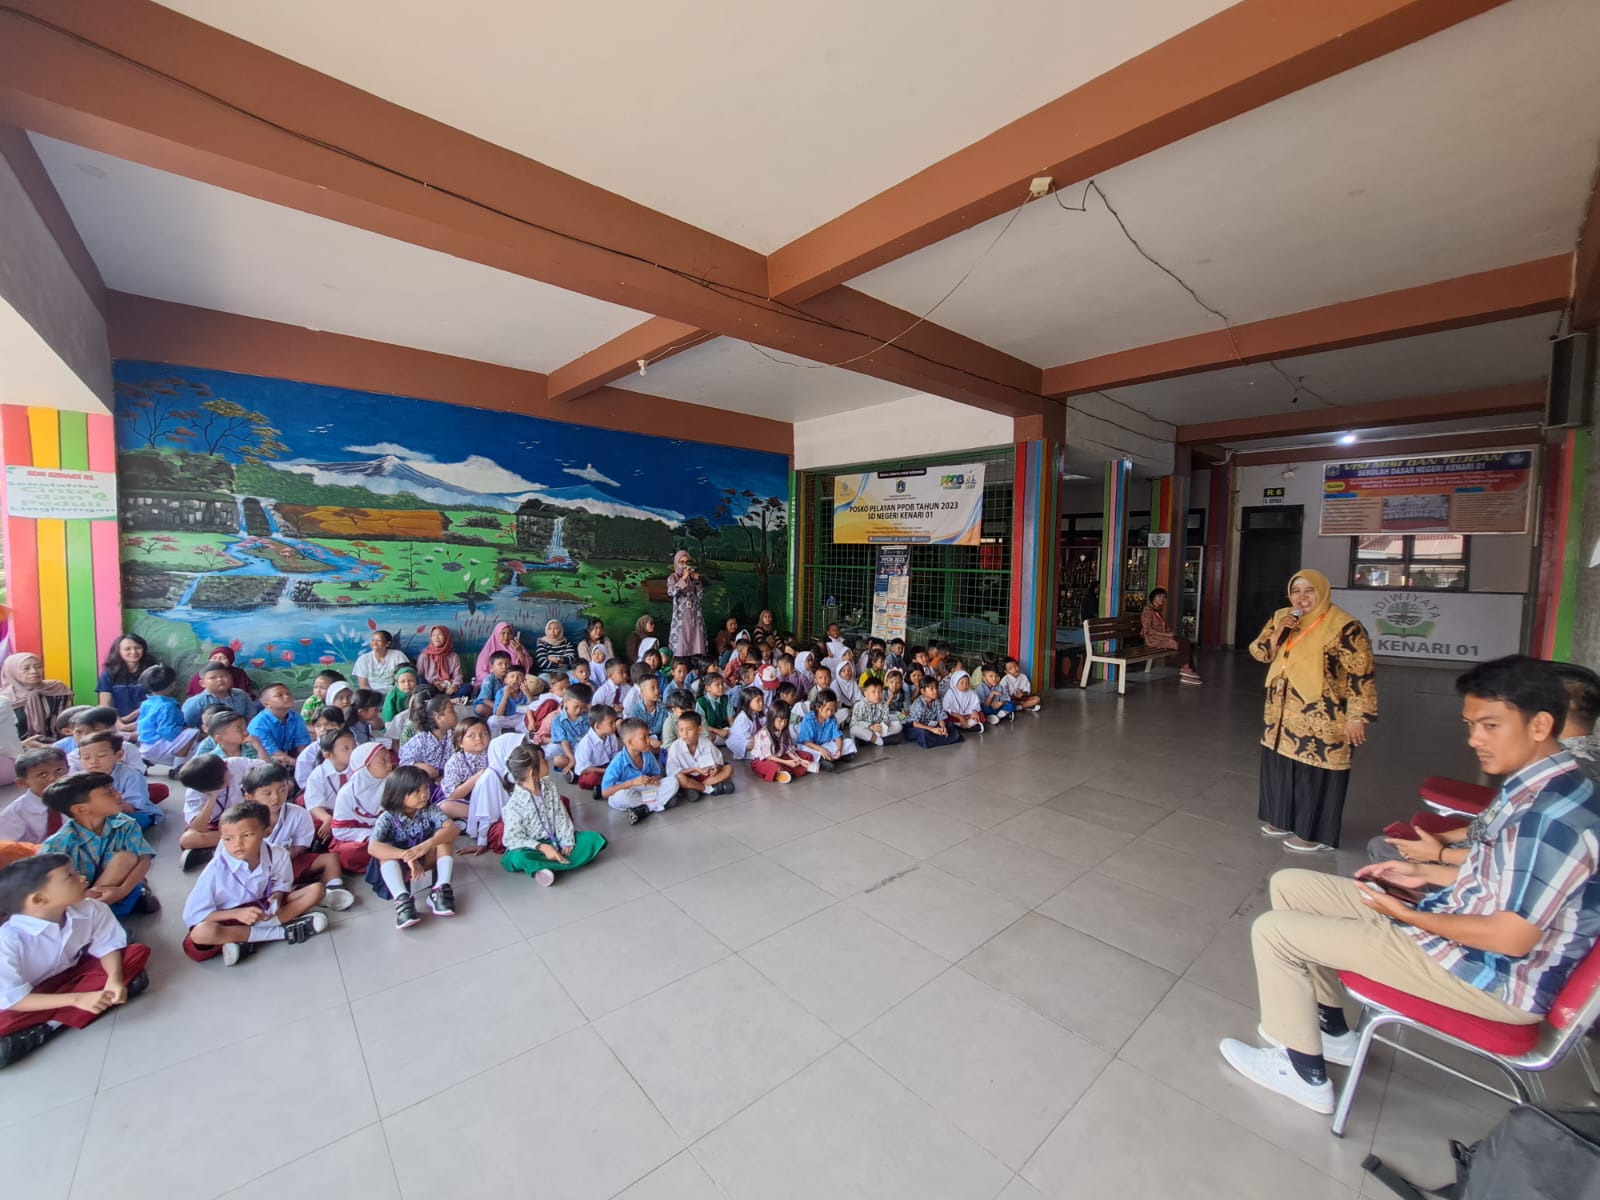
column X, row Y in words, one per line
column 63, row 581
column 1566, row 472
column 1113, row 551
column 1034, row 543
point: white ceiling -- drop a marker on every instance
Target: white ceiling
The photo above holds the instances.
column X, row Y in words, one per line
column 730, row 374
column 754, row 121
column 1469, row 150
column 164, row 236
column 1431, row 364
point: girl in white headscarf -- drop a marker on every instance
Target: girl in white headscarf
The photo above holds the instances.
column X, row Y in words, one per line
column 358, row 804
column 961, row 703
column 490, row 793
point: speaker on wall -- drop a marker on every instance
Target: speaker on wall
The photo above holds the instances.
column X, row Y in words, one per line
column 1570, row 400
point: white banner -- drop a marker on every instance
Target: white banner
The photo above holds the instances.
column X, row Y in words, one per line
column 47, row 493
column 1437, row 626
column 927, row 505
column 891, row 588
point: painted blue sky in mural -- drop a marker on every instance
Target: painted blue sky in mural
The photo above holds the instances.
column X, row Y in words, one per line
column 448, row 454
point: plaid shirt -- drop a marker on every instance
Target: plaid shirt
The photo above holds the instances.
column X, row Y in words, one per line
column 90, row 851
column 1538, row 859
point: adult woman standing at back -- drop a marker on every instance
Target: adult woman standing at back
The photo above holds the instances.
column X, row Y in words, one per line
column 1321, row 694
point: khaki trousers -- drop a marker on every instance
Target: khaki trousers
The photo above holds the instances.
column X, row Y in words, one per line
column 1318, row 927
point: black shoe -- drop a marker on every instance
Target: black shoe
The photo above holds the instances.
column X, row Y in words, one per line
column 147, row 903
column 22, row 1043
column 827, row 764
column 193, row 860
column 725, row 788
column 139, row 984
column 442, row 901
column 844, row 759
column 694, row 797
column 303, row 928
column 405, row 912
column 597, row 795
column 637, row 813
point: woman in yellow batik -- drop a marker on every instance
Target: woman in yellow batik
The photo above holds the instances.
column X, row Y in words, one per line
column 1321, row 695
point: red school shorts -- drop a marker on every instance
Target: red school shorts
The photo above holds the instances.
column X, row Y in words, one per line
column 87, row 976
column 353, row 857
column 591, row 779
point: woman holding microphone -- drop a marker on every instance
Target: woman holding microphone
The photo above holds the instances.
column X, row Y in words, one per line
column 1321, row 695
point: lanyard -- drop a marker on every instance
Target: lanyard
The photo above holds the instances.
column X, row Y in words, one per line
column 1298, row 634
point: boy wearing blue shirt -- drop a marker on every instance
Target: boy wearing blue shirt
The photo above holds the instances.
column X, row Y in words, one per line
column 164, row 737
column 647, row 707
column 216, row 682
column 281, row 731
column 818, row 737
column 106, row 847
column 634, row 783
column 568, row 729
column 505, row 712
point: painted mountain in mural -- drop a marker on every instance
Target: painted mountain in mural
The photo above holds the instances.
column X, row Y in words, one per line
column 389, row 475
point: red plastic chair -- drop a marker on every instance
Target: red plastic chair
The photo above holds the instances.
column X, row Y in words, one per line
column 1456, row 796
column 1521, row 1051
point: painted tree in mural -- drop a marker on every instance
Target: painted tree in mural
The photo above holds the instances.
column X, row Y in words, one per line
column 698, row 530
column 762, row 520
column 191, row 417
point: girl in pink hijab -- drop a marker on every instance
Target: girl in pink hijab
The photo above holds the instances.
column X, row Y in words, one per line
column 502, row 637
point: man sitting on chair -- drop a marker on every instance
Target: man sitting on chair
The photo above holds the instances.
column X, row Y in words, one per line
column 1497, row 942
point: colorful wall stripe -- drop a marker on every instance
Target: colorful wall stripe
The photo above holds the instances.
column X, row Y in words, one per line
column 62, row 577
column 1566, row 473
column 1034, row 545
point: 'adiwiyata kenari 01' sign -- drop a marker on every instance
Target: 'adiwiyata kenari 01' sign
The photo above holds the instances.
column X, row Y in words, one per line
column 1485, row 492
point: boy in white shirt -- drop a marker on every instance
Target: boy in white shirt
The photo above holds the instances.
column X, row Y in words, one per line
column 64, row 959
column 292, row 828
column 697, row 762
column 597, row 748
column 246, row 894
column 616, row 683
column 27, row 819
column 212, row 786
column 1017, row 687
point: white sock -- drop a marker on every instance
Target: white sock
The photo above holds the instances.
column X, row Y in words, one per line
column 444, row 868
column 336, row 882
column 268, row 929
column 393, row 877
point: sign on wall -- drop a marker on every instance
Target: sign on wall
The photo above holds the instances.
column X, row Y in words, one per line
column 1438, row 626
column 891, row 588
column 927, row 505
column 46, row 493
column 1486, row 492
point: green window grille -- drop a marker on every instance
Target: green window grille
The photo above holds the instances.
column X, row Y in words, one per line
column 958, row 594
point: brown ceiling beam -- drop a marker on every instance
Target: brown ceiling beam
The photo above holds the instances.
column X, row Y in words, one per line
column 1407, row 410
column 404, row 176
column 1246, row 56
column 18, row 151
column 1439, row 443
column 1519, row 291
column 650, row 342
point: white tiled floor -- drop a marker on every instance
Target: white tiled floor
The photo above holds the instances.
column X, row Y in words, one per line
column 998, row 970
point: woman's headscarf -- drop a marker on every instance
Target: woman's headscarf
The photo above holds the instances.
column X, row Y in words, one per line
column 680, row 562
column 439, row 662
column 239, row 679
column 1300, row 654
column 364, row 789
column 560, row 639
column 32, row 699
column 396, row 702
column 499, row 639
column 489, row 794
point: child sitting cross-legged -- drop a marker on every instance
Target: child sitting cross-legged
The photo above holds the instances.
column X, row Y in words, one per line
column 871, row 720
column 291, row 827
column 358, row 805
column 599, row 746
column 106, row 847
column 246, row 894
column 1017, row 686
column 331, row 773
column 64, row 958
column 163, row 736
column 569, row 727
column 647, row 707
column 411, row 838
column 748, row 722
column 101, row 753
column 212, row 786
column 471, row 740
column 280, row 730
column 994, row 705
column 713, row 709
column 961, row 703
column 634, row 782
column 926, row 723
column 433, row 718
column 696, row 763
column 773, row 754
column 819, row 736
column 228, row 736
column 505, row 713
column 677, row 701
column 539, row 836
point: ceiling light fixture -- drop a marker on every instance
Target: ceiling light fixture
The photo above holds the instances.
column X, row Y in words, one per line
column 1348, row 439
column 643, row 363
column 1288, row 472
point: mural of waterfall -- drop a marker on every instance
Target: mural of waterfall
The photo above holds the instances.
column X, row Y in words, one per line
column 262, row 514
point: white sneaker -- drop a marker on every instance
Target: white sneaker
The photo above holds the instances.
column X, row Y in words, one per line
column 1340, row 1050
column 545, row 877
column 232, row 952
column 994, row 718
column 338, row 899
column 1273, row 831
column 1270, row 1067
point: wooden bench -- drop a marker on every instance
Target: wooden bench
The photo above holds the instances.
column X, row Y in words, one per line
column 1127, row 633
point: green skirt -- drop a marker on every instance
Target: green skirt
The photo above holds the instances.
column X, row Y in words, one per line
column 586, row 845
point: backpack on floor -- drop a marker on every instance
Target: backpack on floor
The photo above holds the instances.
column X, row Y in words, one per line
column 1536, row 1153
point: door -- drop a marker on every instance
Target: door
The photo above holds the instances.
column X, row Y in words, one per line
column 1269, row 553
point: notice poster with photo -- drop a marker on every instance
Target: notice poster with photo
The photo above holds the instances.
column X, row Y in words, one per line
column 1486, row 492
column 940, row 506
column 891, row 587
